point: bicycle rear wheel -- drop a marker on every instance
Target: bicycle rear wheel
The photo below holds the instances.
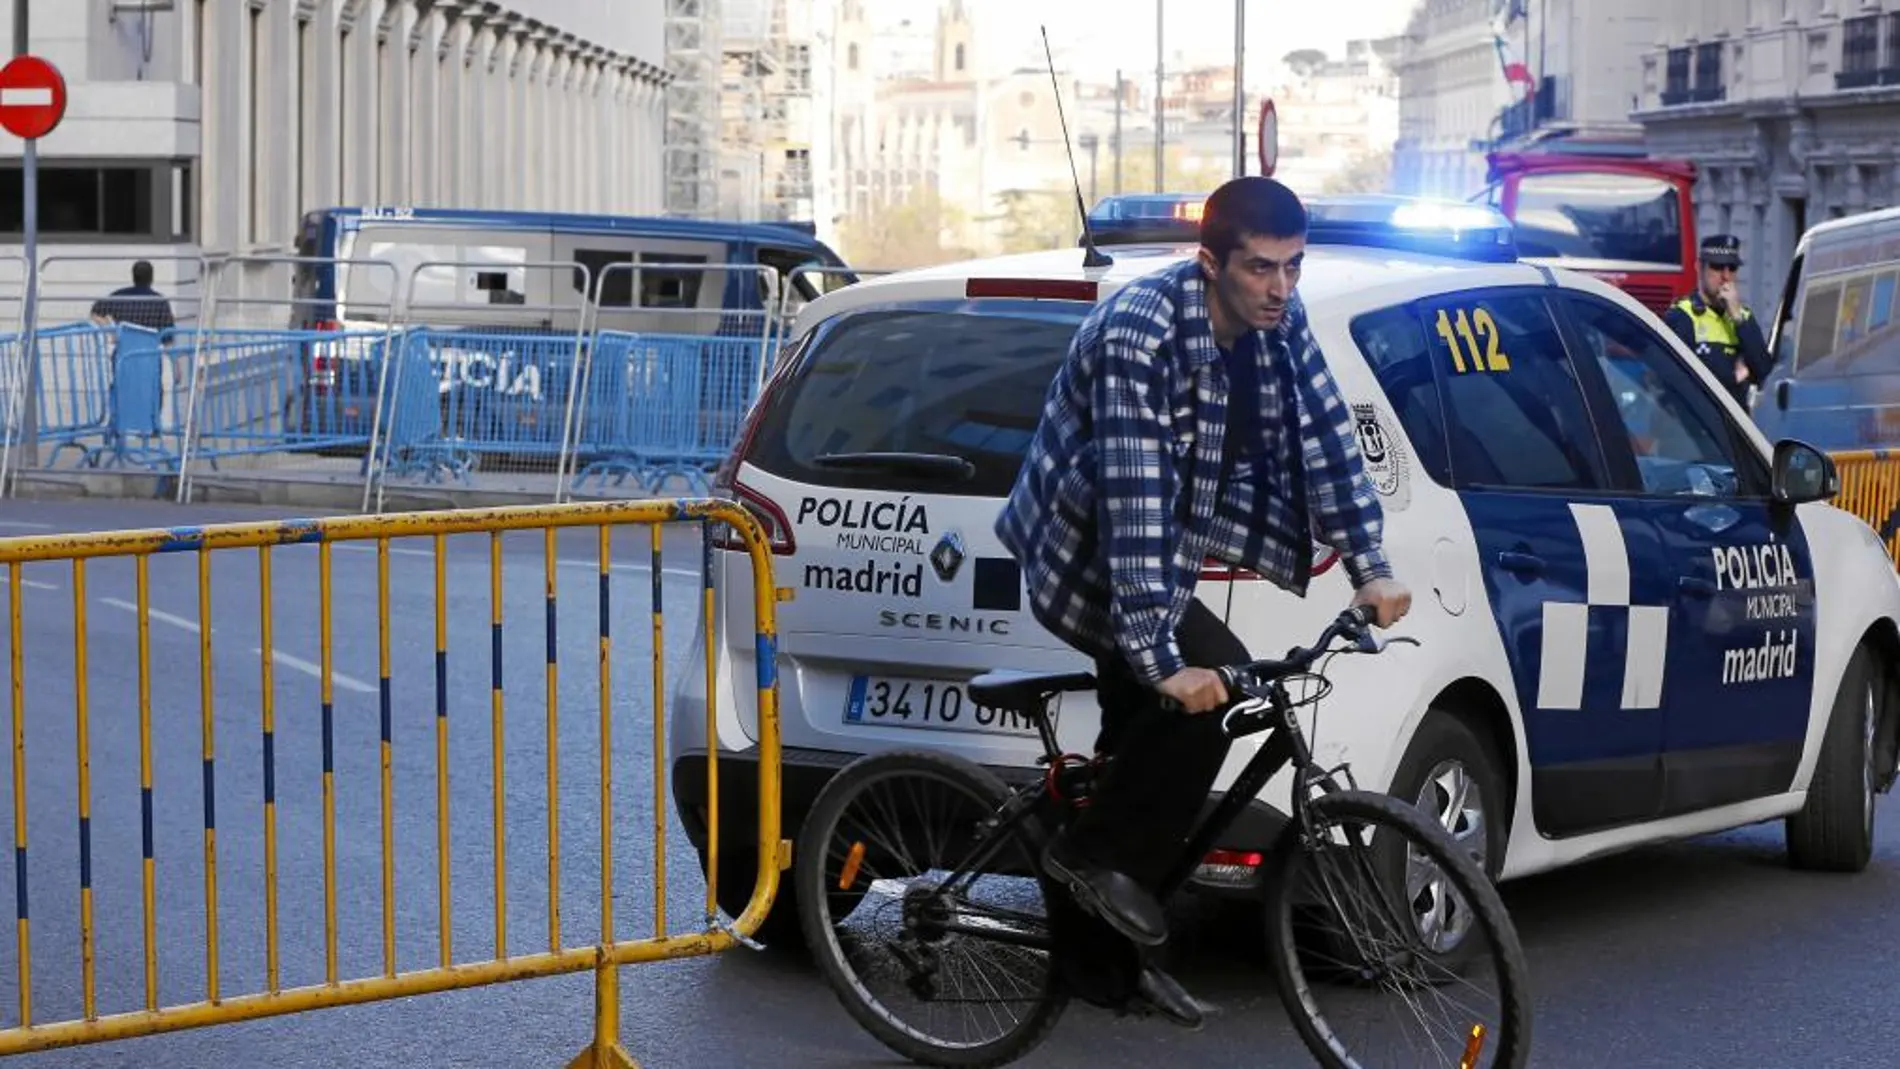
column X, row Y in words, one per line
column 1378, row 924
column 946, row 972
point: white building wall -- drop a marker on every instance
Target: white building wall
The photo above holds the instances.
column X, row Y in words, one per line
column 231, row 118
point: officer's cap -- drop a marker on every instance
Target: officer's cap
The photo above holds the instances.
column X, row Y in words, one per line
column 1722, row 250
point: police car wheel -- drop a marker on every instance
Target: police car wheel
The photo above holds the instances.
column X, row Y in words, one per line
column 1452, row 775
column 1834, row 831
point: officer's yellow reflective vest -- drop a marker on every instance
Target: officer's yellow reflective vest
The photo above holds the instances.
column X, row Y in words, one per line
column 1712, row 328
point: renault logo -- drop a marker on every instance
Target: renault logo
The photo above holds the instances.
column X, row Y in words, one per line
column 948, row 556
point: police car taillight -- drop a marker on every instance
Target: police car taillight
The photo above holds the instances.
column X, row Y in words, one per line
column 1235, row 868
column 1044, row 289
column 778, row 529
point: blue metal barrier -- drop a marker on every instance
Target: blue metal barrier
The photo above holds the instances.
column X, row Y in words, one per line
column 75, row 366
column 657, row 406
column 462, row 396
column 283, row 391
column 647, row 407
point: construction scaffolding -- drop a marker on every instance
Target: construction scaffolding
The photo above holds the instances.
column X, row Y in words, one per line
column 791, row 186
column 765, row 136
column 693, row 117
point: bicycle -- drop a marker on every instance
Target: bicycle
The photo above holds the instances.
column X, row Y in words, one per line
column 998, row 832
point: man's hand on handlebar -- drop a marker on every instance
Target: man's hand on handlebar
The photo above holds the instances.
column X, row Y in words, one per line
column 1195, row 690
column 1388, row 597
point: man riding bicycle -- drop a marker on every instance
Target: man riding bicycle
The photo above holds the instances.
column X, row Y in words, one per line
column 1193, row 417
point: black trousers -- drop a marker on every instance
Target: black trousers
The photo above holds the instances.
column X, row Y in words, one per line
column 1162, row 764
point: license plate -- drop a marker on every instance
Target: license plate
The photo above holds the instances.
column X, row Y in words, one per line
column 895, row 701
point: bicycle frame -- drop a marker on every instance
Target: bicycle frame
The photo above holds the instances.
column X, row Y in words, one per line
column 1285, row 745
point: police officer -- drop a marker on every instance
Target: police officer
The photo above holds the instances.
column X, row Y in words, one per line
column 1717, row 325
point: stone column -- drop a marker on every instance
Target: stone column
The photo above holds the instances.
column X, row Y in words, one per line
column 481, row 117
column 361, row 136
column 224, row 130
column 280, row 204
column 425, row 140
column 501, row 131
column 452, row 117
column 587, row 133
column 396, row 108
column 556, row 160
column 323, row 107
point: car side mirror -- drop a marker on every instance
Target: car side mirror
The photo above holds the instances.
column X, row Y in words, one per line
column 1803, row 473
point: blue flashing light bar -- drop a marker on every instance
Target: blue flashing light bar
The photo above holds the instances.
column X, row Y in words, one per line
column 1451, row 229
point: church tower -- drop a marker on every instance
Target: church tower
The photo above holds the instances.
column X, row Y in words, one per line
column 956, row 43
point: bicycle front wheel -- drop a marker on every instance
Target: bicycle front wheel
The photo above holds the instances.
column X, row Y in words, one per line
column 1390, row 946
column 929, row 921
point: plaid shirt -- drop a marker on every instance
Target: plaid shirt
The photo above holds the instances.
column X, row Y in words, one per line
column 1133, row 436
column 140, row 306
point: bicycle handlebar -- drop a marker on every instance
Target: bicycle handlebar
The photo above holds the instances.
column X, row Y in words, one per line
column 1354, row 623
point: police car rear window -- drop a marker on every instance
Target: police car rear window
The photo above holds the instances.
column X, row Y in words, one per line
column 920, row 381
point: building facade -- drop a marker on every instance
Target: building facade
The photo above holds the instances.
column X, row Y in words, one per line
column 1451, row 91
column 211, row 126
column 1789, row 108
column 1476, row 73
column 1338, row 119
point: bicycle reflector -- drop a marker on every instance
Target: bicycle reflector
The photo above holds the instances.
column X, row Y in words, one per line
column 1474, row 1048
column 1451, row 229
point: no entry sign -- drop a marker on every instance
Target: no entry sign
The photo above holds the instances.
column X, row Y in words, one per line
column 32, row 97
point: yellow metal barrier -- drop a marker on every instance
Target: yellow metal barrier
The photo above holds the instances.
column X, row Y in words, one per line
column 603, row 957
column 1870, row 489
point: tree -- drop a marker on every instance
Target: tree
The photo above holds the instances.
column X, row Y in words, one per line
column 1303, row 61
column 1138, row 168
column 917, row 231
column 1038, row 219
column 1369, row 172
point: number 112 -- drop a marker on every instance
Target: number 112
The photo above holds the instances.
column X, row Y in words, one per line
column 1463, row 339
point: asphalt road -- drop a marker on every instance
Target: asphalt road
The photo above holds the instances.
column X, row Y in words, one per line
column 1704, row 953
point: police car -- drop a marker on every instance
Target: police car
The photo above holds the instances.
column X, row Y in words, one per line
column 1640, row 620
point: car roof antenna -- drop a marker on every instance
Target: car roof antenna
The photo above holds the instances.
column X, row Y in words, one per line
column 1091, row 256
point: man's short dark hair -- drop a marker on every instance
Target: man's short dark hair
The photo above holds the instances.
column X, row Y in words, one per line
column 1253, row 206
column 142, row 273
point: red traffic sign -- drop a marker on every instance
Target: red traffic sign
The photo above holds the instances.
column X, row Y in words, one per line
column 1269, row 137
column 32, row 97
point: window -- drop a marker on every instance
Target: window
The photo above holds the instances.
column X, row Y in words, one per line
column 787, row 261
column 1860, row 45
column 81, row 201
column 1675, row 428
column 1630, row 218
column 615, row 286
column 1394, row 345
column 970, row 385
column 1517, row 417
column 1708, row 72
column 670, row 289
column 1676, row 83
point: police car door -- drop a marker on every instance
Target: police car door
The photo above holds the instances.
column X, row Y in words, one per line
column 1741, row 627
column 1574, row 571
